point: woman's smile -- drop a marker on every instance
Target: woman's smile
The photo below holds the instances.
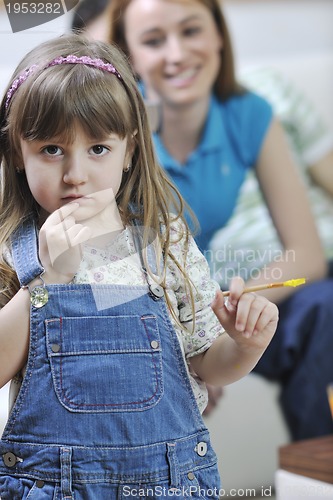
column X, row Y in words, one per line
column 184, row 78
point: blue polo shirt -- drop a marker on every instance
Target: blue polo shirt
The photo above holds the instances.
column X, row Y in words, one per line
column 214, row 172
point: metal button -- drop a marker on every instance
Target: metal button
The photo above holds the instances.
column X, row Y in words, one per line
column 154, row 344
column 201, row 449
column 191, row 476
column 40, row 483
column 9, row 459
column 157, row 291
column 55, row 347
column 39, row 296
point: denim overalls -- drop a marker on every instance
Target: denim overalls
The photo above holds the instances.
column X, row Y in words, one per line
column 106, row 409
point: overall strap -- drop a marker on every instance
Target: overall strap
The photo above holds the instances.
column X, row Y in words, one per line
column 25, row 252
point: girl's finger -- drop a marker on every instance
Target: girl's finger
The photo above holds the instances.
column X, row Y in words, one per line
column 244, row 306
column 236, row 289
column 256, row 309
column 78, row 234
column 269, row 315
column 218, row 306
column 58, row 216
column 68, row 222
column 67, row 209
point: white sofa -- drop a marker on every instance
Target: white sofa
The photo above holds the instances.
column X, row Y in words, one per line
column 247, row 427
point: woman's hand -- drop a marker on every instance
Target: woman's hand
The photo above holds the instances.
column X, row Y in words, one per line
column 60, row 238
column 249, row 319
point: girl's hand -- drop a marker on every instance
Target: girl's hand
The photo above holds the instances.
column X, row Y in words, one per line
column 249, row 319
column 59, row 244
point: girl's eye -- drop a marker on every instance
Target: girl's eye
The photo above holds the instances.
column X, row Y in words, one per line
column 99, row 150
column 52, row 150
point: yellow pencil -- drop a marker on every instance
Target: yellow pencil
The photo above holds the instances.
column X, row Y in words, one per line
column 278, row 284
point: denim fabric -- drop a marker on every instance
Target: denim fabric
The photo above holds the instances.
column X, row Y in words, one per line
column 106, row 409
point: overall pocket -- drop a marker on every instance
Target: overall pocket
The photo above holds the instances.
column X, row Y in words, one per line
column 15, row 488
column 105, row 363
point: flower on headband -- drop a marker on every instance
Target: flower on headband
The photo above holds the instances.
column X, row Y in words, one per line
column 88, row 61
column 18, row 82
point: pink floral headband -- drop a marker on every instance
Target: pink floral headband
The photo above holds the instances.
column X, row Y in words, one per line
column 70, row 59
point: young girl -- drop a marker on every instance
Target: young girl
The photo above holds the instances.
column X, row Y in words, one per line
column 106, row 300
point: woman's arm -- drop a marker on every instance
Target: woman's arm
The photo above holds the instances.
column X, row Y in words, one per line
column 321, row 173
column 286, row 199
column 250, row 322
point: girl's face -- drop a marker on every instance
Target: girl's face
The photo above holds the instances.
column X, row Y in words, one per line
column 86, row 171
column 175, row 47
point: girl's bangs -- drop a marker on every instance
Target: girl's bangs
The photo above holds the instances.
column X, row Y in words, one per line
column 57, row 100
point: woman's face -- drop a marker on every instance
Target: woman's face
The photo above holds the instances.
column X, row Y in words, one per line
column 175, row 47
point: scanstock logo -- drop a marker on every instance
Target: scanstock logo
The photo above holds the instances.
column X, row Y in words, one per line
column 25, row 15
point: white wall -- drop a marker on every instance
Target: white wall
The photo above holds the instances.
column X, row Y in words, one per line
column 13, row 46
column 262, row 29
column 294, row 36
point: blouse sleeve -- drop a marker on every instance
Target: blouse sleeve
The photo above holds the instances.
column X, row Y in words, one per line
column 196, row 336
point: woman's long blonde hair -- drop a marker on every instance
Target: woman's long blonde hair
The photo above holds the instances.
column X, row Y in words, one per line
column 47, row 105
column 225, row 84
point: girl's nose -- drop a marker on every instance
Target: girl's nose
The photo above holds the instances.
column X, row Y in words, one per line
column 75, row 172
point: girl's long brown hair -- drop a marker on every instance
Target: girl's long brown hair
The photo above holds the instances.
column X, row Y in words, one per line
column 47, row 105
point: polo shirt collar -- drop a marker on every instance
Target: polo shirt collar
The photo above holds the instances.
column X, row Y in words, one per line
column 213, row 137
